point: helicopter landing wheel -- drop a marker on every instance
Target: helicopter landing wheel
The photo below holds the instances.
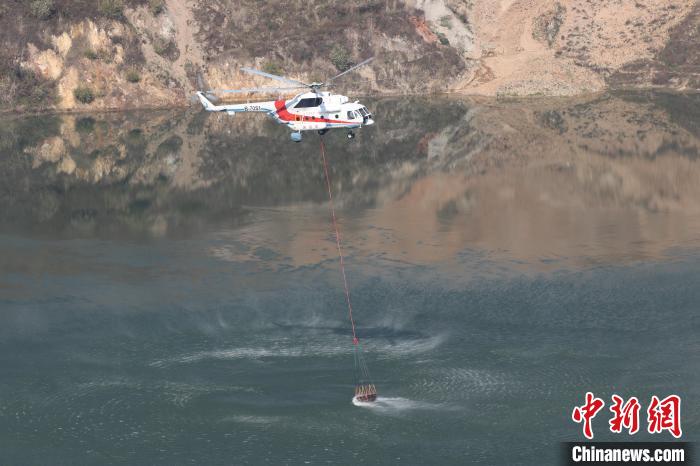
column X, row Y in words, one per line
column 351, row 135
column 322, row 131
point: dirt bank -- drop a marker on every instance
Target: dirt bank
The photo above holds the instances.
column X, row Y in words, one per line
column 116, row 54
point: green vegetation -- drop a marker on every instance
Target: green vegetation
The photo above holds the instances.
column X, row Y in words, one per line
column 136, row 143
column 165, row 48
column 160, row 45
column 111, row 8
column 156, row 6
column 546, row 26
column 443, row 38
column 340, row 57
column 272, row 68
column 165, row 78
column 84, row 94
column 191, row 73
column 133, row 76
column 169, row 146
column 85, row 125
column 102, row 54
column 446, row 21
column 30, row 89
column 18, row 134
column 90, row 54
column 135, row 137
column 42, row 9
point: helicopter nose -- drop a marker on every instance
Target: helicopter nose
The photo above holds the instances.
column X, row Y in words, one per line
column 369, row 121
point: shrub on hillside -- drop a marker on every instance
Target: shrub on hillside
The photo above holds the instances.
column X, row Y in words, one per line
column 443, row 38
column 546, row 26
column 340, row 57
column 156, row 6
column 42, row 9
column 272, row 68
column 111, row 8
column 160, row 45
column 165, row 48
column 30, row 89
column 84, row 94
column 446, row 21
column 90, row 54
column 133, row 76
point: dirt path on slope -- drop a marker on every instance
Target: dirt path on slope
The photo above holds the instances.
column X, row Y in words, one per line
column 180, row 13
column 513, row 62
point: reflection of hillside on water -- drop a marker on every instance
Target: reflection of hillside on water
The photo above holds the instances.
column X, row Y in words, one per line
column 615, row 176
column 134, row 171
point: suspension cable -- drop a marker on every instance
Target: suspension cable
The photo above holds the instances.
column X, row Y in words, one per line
column 355, row 341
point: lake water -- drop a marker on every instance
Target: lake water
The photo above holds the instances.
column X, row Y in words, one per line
column 170, row 291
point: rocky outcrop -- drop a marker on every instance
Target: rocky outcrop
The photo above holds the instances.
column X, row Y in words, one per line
column 675, row 65
column 117, row 54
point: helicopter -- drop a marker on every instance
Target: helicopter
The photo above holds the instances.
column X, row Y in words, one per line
column 314, row 110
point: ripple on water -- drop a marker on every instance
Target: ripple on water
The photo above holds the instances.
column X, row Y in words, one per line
column 462, row 383
column 290, row 349
column 254, row 420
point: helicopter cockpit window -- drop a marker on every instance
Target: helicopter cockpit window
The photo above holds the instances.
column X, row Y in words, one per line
column 310, row 102
column 351, row 114
column 364, row 111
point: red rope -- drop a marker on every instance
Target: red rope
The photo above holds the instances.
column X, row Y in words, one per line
column 337, row 241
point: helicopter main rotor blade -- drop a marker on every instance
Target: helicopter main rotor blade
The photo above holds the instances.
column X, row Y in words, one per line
column 353, row 68
column 255, row 89
column 274, row 76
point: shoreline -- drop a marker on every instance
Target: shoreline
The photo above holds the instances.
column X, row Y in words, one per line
column 453, row 93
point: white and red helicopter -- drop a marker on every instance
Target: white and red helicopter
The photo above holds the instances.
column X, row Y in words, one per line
column 310, row 111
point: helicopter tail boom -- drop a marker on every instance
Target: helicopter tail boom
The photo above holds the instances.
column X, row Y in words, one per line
column 265, row 107
column 207, row 104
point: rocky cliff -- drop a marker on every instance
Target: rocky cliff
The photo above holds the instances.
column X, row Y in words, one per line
column 103, row 54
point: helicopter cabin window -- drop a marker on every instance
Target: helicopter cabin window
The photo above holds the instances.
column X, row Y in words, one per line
column 310, row 102
column 351, row 114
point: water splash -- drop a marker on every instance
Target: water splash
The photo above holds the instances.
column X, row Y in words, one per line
column 396, row 405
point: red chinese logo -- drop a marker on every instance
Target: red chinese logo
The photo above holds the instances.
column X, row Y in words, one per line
column 625, row 415
column 665, row 415
column 662, row 415
column 587, row 412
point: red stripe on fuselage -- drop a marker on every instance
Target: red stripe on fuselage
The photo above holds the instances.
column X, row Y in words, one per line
column 285, row 115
